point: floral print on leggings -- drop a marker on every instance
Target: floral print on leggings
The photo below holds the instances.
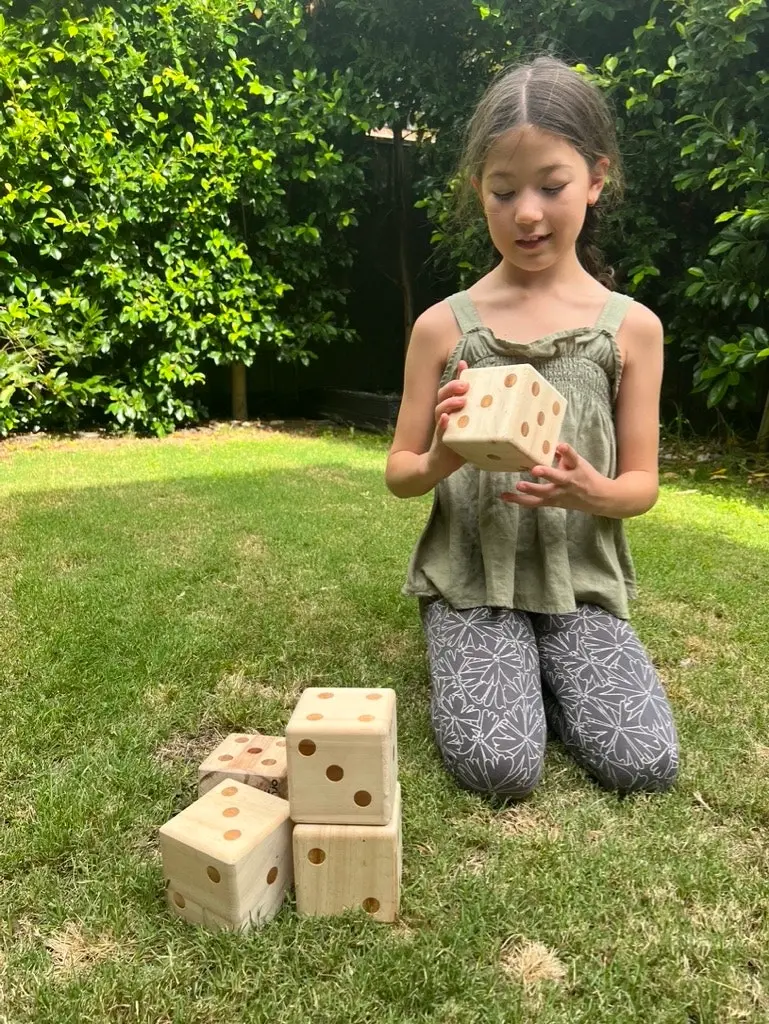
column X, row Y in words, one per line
column 499, row 677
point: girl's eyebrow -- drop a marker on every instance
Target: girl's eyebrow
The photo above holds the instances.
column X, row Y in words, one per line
column 509, row 175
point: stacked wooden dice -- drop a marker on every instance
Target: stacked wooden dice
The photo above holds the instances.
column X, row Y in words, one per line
column 230, row 857
column 345, row 799
column 511, row 420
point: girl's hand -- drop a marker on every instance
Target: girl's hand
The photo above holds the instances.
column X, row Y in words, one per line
column 442, row 461
column 571, row 483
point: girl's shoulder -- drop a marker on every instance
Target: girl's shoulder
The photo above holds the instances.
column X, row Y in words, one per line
column 640, row 317
column 640, row 327
column 437, row 329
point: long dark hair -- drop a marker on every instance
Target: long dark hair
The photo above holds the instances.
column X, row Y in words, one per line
column 549, row 95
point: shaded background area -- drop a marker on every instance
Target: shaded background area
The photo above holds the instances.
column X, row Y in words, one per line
column 360, row 382
column 373, row 365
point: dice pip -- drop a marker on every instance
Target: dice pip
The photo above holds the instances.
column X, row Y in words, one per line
column 255, row 760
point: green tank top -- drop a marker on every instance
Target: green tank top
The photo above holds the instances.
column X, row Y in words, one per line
column 477, row 550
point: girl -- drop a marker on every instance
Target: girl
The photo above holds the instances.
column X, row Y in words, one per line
column 524, row 581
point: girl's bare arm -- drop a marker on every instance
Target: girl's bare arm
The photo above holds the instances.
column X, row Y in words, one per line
column 417, row 459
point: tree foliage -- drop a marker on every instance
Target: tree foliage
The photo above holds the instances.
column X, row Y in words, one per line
column 176, row 178
column 171, row 192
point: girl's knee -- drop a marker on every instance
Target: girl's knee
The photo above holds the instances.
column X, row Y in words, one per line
column 502, row 775
column 654, row 775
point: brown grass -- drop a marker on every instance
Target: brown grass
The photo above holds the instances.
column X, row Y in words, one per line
column 474, row 863
column 526, row 821
column 187, row 748
column 72, row 951
column 238, row 686
column 531, row 964
column 251, row 547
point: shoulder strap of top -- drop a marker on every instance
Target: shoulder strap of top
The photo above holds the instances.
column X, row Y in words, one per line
column 614, row 311
column 464, row 311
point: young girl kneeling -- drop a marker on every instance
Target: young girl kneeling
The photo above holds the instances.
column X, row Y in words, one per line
column 524, row 581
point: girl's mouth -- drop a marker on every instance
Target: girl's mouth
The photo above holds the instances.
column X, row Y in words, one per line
column 532, row 243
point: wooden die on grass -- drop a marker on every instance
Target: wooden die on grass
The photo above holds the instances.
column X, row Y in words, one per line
column 254, row 760
column 342, row 756
column 337, row 867
column 227, row 858
column 511, row 420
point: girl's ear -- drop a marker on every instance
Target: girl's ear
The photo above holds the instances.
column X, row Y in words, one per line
column 475, row 182
column 597, row 179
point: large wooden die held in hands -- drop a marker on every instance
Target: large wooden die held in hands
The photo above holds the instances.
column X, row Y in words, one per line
column 511, row 420
column 337, row 867
column 255, row 760
column 342, row 756
column 227, row 857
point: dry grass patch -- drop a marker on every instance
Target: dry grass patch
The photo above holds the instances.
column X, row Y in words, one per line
column 187, row 748
column 236, row 686
column 720, row 919
column 401, row 930
column 251, row 547
column 73, row 952
column 704, row 631
column 397, row 647
column 522, row 821
column 531, row 964
column 474, row 863
column 750, row 1001
column 325, row 473
column 751, row 854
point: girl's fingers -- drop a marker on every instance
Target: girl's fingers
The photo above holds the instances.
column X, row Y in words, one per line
column 538, row 490
column 524, row 500
column 452, row 389
column 555, row 475
column 452, row 395
column 449, row 405
column 567, row 457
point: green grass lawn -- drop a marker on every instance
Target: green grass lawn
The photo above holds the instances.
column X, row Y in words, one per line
column 156, row 595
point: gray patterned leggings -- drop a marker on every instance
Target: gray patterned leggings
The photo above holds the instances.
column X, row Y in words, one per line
column 499, row 677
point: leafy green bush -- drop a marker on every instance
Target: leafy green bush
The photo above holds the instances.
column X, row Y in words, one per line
column 695, row 93
column 171, row 192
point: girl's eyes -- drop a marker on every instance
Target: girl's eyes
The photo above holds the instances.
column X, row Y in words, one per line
column 551, row 190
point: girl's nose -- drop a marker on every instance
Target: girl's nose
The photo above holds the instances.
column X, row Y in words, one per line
column 528, row 210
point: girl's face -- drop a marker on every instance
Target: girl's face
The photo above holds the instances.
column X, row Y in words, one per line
column 535, row 190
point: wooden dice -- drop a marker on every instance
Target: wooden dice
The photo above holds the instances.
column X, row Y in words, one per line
column 227, row 858
column 511, row 420
column 337, row 867
column 254, row 760
column 342, row 756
